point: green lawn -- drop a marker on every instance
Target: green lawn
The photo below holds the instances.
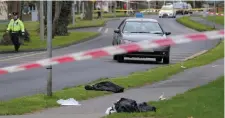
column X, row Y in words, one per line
column 31, row 25
column 87, row 23
column 219, row 19
column 202, row 102
column 36, row 43
column 186, row 21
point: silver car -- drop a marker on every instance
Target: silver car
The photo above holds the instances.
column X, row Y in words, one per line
column 139, row 29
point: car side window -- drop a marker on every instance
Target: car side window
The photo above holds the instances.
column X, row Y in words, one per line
column 161, row 28
column 122, row 24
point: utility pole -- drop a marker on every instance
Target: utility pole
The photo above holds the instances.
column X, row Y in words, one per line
column 49, row 45
column 214, row 14
column 114, row 8
column 73, row 12
column 102, row 9
column 82, row 9
column 193, row 3
column 148, row 6
column 42, row 30
column 127, row 7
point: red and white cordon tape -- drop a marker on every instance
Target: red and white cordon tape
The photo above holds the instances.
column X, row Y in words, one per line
column 213, row 13
column 113, row 50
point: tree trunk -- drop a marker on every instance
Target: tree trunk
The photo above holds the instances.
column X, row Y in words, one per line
column 58, row 6
column 61, row 11
column 89, row 9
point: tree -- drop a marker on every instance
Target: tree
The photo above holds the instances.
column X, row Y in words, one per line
column 89, row 10
column 61, row 11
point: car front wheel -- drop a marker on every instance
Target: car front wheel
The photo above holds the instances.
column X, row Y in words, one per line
column 120, row 59
column 166, row 60
column 158, row 59
column 114, row 57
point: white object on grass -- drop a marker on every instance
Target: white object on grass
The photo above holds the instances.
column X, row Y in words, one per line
column 69, row 101
column 162, row 97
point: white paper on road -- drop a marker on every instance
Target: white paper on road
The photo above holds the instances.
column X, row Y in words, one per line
column 110, row 110
column 69, row 101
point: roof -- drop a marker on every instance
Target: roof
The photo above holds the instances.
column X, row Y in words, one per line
column 141, row 19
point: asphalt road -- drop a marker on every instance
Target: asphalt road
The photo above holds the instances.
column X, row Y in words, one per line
column 70, row 74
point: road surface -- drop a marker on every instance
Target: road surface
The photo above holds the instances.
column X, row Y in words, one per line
column 71, row 74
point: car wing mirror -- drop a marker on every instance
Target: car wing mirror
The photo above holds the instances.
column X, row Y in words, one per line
column 167, row 33
column 116, row 31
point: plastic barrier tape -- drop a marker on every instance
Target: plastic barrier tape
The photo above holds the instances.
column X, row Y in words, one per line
column 213, row 13
column 112, row 50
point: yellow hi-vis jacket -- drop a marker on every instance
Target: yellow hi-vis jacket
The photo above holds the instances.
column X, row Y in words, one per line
column 16, row 26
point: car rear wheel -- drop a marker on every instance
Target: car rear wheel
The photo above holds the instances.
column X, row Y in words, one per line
column 166, row 60
column 158, row 59
column 120, row 59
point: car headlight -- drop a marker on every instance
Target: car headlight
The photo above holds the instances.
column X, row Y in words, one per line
column 125, row 41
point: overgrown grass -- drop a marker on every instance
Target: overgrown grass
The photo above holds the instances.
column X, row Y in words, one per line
column 202, row 102
column 37, row 102
column 36, row 43
column 218, row 19
column 186, row 21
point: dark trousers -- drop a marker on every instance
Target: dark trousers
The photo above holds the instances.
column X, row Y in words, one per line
column 15, row 40
column 99, row 15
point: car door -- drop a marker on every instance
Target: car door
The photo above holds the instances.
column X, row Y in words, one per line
column 118, row 36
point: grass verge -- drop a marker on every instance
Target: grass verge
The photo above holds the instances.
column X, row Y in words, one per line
column 32, row 25
column 29, row 104
column 58, row 41
column 87, row 23
column 186, row 21
column 202, row 102
column 218, row 19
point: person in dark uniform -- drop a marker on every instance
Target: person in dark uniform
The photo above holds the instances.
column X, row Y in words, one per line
column 16, row 28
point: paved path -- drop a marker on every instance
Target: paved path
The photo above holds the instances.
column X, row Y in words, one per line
column 95, row 108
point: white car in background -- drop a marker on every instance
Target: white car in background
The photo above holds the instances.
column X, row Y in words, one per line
column 167, row 11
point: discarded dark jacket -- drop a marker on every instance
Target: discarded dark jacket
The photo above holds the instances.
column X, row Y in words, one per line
column 128, row 105
column 105, row 86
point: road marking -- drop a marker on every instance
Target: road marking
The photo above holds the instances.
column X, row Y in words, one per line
column 195, row 55
column 14, row 55
column 106, row 30
column 18, row 57
column 99, row 30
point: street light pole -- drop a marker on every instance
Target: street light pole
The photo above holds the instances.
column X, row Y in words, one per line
column 42, row 30
column 49, row 46
column 214, row 14
column 73, row 12
column 114, row 8
column 127, row 7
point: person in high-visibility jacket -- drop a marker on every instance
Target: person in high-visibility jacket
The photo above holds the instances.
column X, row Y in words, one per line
column 16, row 28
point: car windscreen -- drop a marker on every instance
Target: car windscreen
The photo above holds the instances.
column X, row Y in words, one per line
column 142, row 27
column 166, row 8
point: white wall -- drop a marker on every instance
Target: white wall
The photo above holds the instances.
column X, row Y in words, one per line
column 3, row 11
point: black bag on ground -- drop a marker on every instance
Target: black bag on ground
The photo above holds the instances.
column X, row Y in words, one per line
column 128, row 105
column 105, row 86
column 144, row 107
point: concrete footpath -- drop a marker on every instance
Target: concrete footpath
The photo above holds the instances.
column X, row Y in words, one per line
column 179, row 83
